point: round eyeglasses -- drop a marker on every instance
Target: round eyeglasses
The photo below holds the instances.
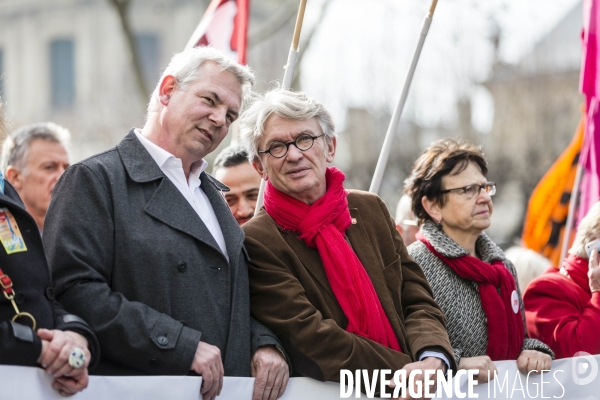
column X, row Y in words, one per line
column 473, row 190
column 279, row 149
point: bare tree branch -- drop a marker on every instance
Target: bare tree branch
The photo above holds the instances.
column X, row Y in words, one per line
column 284, row 13
column 122, row 8
column 306, row 44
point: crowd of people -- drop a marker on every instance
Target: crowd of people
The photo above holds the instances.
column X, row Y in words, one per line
column 136, row 261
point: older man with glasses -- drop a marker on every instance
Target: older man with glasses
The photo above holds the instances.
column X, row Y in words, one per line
column 329, row 273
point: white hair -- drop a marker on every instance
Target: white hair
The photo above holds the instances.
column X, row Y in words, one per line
column 286, row 104
column 16, row 146
column 588, row 230
column 185, row 68
column 528, row 264
column 404, row 211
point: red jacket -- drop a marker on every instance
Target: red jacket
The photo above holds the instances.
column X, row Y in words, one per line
column 562, row 312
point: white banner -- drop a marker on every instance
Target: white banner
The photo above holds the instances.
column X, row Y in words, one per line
column 572, row 379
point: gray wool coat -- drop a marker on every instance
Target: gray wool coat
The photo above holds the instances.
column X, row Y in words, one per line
column 133, row 259
column 459, row 298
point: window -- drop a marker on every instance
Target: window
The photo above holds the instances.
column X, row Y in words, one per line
column 147, row 44
column 62, row 73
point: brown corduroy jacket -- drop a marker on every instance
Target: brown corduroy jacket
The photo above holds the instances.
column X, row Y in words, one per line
column 290, row 293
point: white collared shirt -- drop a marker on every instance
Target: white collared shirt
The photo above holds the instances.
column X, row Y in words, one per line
column 172, row 167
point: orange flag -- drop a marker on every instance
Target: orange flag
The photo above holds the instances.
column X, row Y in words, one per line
column 548, row 206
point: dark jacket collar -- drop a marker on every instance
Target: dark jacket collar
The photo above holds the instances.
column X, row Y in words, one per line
column 139, row 164
column 11, row 197
column 141, row 167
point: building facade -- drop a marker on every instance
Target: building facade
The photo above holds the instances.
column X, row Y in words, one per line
column 537, row 108
column 67, row 61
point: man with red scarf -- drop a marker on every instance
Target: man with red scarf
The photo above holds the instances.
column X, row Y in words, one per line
column 329, row 273
column 563, row 305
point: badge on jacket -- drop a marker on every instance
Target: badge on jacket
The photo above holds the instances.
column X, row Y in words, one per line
column 514, row 301
column 10, row 234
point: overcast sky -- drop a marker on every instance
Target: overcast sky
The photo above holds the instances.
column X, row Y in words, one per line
column 362, row 50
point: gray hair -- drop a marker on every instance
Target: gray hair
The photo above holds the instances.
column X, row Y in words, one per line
column 404, row 211
column 185, row 68
column 16, row 145
column 286, row 104
column 588, row 230
column 528, row 264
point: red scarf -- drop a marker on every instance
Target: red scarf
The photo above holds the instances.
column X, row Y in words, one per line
column 323, row 225
column 505, row 326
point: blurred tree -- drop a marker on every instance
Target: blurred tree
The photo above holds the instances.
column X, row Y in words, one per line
column 122, row 8
column 306, row 43
column 284, row 13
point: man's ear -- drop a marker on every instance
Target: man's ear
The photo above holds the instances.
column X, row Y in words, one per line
column 166, row 88
column 331, row 146
column 15, row 177
column 432, row 208
column 257, row 164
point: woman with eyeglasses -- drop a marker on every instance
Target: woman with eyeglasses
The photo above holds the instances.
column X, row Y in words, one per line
column 473, row 282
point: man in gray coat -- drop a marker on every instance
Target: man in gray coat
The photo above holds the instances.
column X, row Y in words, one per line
column 143, row 246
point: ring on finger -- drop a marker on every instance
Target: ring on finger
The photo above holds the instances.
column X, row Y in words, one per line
column 77, row 358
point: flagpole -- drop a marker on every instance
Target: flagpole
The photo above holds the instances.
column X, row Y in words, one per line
column 572, row 206
column 288, row 77
column 387, row 143
column 204, row 22
column 290, row 67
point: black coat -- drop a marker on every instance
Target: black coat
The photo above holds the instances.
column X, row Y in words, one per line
column 30, row 274
column 131, row 256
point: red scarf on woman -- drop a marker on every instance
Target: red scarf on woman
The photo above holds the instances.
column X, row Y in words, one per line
column 323, row 225
column 497, row 292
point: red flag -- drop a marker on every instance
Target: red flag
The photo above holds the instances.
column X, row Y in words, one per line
column 590, row 86
column 224, row 26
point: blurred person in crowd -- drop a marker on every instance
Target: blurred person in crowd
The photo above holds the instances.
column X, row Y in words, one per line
column 528, row 264
column 329, row 272
column 33, row 159
column 34, row 327
column 143, row 245
column 451, row 198
column 563, row 305
column 406, row 222
column 233, row 169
